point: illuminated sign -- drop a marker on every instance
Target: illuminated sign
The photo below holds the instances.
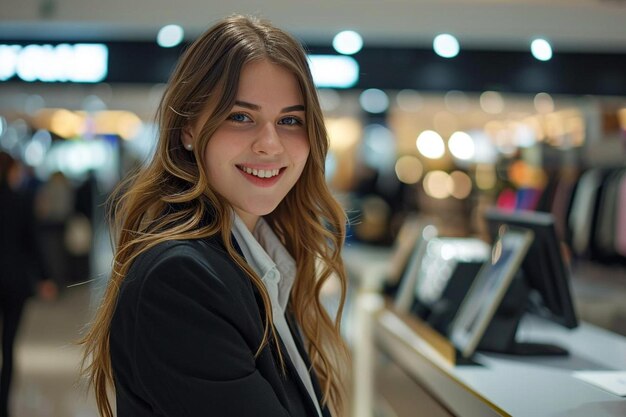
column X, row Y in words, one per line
column 79, row 63
column 335, row 71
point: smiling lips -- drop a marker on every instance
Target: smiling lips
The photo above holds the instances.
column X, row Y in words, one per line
column 263, row 177
column 261, row 173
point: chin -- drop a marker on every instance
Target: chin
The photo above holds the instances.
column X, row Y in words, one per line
column 268, row 211
column 261, row 210
column 261, row 206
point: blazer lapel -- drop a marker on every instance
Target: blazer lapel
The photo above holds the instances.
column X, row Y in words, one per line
column 295, row 331
column 294, row 376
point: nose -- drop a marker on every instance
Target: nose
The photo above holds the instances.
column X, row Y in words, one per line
column 268, row 141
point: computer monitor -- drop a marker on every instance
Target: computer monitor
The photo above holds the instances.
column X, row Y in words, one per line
column 439, row 272
column 405, row 296
column 543, row 269
column 487, row 292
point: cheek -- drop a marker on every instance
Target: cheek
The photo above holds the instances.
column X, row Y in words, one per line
column 212, row 173
column 300, row 151
column 213, row 163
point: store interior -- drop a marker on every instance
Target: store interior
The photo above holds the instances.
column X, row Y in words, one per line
column 416, row 138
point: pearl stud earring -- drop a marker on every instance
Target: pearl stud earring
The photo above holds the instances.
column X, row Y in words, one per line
column 188, row 146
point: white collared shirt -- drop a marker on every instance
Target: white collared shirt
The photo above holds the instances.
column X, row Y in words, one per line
column 272, row 262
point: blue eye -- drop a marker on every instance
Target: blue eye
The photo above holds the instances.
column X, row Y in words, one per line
column 291, row 121
column 239, row 117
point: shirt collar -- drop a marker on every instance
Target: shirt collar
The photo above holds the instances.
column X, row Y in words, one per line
column 267, row 256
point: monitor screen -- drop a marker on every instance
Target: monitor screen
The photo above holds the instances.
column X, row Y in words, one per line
column 544, row 270
column 489, row 288
column 406, row 291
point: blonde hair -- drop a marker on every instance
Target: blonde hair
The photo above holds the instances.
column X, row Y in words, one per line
column 171, row 199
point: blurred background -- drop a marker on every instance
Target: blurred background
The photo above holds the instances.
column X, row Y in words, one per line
column 435, row 108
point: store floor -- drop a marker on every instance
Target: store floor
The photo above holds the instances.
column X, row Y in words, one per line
column 46, row 380
column 47, row 385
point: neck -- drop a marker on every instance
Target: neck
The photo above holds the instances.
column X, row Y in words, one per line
column 250, row 220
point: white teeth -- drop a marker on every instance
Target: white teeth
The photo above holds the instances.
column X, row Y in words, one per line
column 261, row 173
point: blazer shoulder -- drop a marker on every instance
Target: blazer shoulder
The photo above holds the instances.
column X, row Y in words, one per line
column 189, row 248
column 185, row 275
column 202, row 262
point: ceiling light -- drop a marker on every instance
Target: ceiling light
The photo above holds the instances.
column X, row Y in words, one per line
column 541, row 49
column 446, row 46
column 347, row 42
column 170, row 36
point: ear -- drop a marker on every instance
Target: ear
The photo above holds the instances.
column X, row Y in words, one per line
column 187, row 136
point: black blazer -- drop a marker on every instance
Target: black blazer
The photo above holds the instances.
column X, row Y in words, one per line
column 183, row 337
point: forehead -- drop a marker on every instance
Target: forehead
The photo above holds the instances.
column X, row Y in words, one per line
column 262, row 80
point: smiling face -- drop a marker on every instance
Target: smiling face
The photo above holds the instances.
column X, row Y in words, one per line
column 258, row 153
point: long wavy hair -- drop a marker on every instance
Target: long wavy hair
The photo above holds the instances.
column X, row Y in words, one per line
column 171, row 198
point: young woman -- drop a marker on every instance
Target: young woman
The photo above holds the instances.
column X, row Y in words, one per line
column 224, row 242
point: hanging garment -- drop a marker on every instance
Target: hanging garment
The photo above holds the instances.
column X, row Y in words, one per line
column 581, row 216
column 620, row 229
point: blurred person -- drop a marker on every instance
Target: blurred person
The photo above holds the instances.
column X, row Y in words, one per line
column 20, row 265
column 54, row 206
column 84, row 196
column 224, row 242
column 80, row 228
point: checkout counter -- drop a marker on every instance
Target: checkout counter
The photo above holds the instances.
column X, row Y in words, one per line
column 492, row 384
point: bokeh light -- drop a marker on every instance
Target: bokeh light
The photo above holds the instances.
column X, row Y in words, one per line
column 460, row 185
column 430, row 144
column 541, row 49
column 436, row 184
column 347, row 42
column 461, row 146
column 544, row 103
column 446, row 45
column 409, row 169
column 170, row 36
column 492, row 102
column 374, row 100
column 409, row 100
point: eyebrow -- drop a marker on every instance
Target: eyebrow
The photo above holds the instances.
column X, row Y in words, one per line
column 256, row 107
